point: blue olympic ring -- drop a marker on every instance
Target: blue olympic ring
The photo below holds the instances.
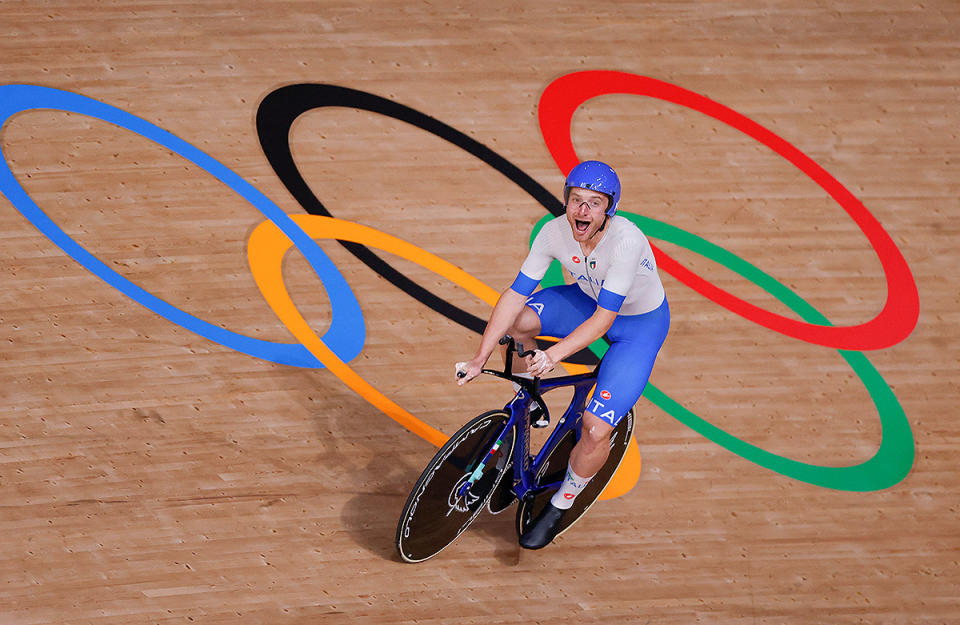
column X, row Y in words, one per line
column 347, row 332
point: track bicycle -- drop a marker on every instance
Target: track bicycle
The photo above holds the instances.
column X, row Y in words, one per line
column 488, row 463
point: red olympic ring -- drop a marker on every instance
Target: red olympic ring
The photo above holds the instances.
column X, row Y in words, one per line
column 900, row 312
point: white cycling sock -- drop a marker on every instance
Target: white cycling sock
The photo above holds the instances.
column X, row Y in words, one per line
column 571, row 487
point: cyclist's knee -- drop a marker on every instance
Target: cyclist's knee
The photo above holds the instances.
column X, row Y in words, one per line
column 595, row 432
column 527, row 323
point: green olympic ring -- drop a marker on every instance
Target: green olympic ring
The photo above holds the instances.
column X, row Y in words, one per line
column 893, row 459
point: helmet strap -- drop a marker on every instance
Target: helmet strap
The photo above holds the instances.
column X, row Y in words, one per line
column 602, row 226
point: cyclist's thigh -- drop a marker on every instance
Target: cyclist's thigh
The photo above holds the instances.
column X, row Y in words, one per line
column 626, row 367
column 561, row 309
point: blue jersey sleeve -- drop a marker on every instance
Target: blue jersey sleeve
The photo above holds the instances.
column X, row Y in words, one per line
column 610, row 300
column 524, row 284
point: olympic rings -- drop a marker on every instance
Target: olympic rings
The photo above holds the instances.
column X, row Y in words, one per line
column 902, row 309
column 893, row 459
column 345, row 338
column 347, row 331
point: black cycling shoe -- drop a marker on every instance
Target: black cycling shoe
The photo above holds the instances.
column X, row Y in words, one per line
column 543, row 529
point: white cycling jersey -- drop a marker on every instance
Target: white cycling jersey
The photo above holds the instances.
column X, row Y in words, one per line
column 620, row 274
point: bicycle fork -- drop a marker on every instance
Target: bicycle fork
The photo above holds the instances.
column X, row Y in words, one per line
column 519, row 419
column 482, row 466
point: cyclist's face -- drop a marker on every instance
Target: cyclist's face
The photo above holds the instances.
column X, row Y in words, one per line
column 586, row 211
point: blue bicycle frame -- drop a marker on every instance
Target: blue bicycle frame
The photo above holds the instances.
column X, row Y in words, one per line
column 525, row 466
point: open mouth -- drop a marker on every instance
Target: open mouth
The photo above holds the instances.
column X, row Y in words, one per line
column 581, row 225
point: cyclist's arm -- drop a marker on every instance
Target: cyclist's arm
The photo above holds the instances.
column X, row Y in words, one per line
column 506, row 311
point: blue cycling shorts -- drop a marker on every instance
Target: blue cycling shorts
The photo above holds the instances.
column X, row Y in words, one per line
column 635, row 341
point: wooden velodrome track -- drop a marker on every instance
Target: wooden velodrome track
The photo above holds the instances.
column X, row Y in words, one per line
column 151, row 475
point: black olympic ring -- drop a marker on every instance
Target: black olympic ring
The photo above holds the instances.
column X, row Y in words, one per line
column 275, row 117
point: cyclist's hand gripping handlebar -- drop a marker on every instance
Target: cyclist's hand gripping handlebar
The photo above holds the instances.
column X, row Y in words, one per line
column 462, row 368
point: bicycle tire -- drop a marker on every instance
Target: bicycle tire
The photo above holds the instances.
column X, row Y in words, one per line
column 433, row 516
column 555, row 466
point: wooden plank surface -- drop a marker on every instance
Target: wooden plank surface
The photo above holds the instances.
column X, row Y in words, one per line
column 149, row 475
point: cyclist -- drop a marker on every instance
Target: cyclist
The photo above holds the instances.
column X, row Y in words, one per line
column 615, row 291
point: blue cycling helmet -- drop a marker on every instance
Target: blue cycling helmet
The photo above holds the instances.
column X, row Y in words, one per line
column 595, row 176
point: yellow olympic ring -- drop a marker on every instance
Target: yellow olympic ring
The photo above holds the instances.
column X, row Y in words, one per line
column 265, row 250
